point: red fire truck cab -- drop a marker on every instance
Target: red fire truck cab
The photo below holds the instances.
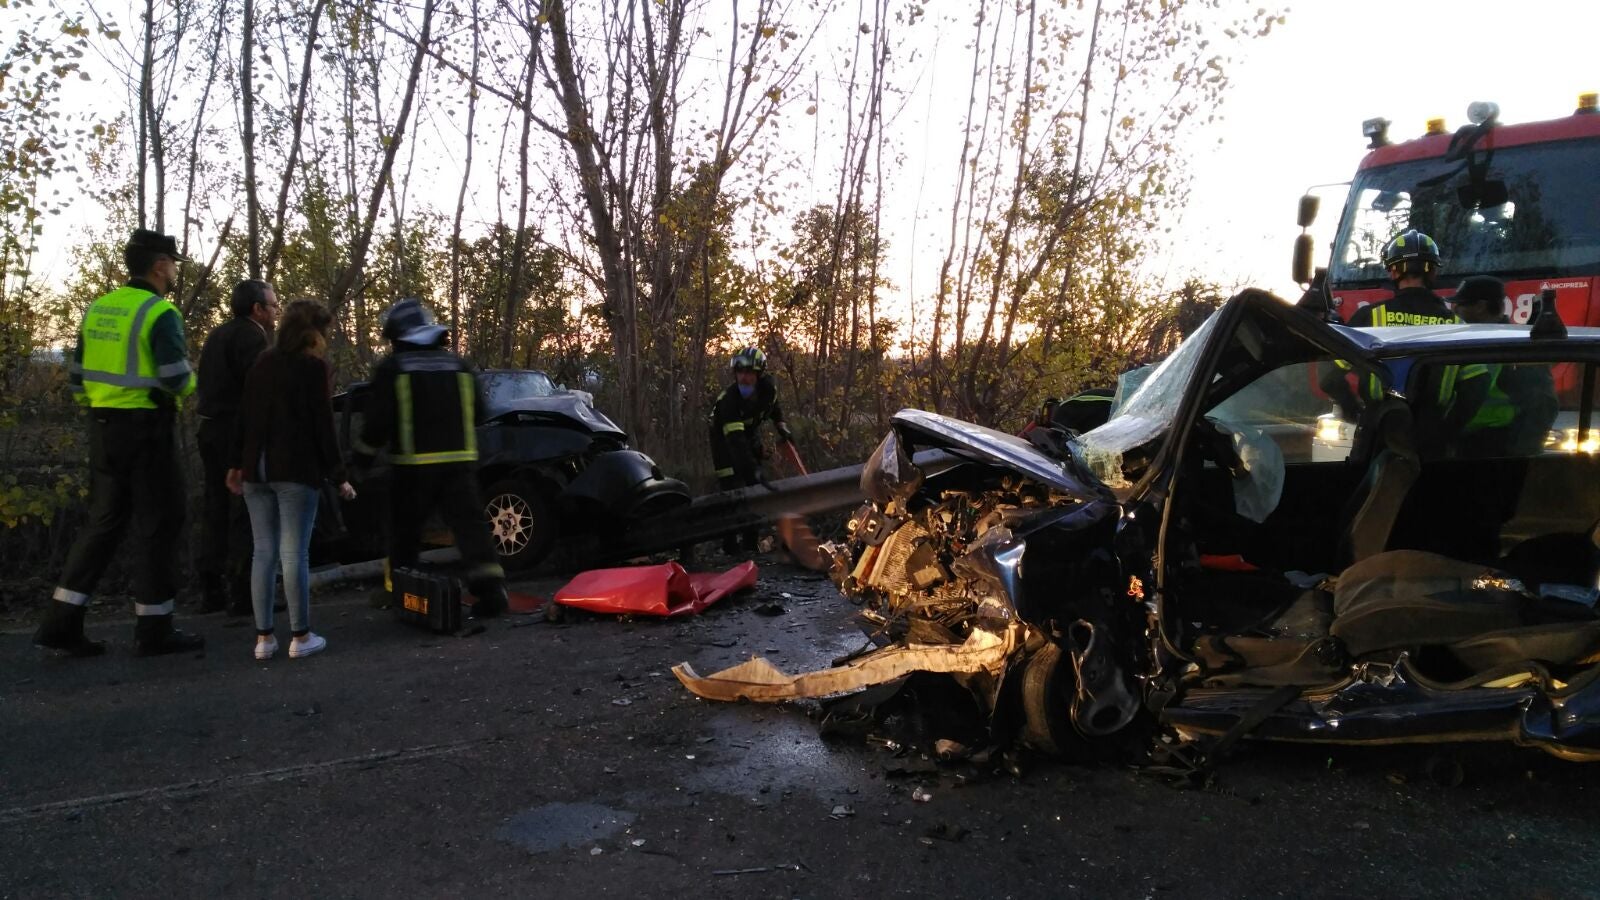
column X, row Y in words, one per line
column 1520, row 202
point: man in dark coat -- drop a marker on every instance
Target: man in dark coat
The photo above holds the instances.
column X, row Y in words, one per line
column 223, row 561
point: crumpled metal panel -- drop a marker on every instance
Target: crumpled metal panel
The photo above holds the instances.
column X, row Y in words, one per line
column 985, row 652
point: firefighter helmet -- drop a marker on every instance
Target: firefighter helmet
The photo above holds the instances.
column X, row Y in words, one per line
column 412, row 322
column 750, row 358
column 1414, row 251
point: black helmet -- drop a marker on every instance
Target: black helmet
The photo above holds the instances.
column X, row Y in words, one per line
column 749, row 358
column 412, row 322
column 1414, row 252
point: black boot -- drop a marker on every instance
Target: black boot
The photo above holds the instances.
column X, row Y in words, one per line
column 492, row 601
column 213, row 593
column 239, row 595
column 155, row 636
column 62, row 631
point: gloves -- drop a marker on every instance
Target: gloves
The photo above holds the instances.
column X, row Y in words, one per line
column 784, row 432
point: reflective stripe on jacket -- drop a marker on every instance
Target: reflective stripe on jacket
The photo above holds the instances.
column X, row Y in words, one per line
column 118, row 365
column 424, row 409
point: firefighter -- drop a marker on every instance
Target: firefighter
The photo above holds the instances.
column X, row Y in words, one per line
column 425, row 408
column 736, row 418
column 131, row 369
column 1412, row 260
column 225, row 359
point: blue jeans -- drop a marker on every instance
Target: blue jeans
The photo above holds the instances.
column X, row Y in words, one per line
column 281, row 516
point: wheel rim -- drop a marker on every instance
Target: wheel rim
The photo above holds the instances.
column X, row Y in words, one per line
column 511, row 522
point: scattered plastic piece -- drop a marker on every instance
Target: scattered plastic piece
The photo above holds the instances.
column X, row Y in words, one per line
column 659, row 590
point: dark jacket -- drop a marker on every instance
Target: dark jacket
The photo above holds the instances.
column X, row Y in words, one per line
column 425, row 407
column 285, row 428
column 1409, row 306
column 229, row 352
column 736, row 424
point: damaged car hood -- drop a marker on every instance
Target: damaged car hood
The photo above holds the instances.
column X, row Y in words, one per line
column 975, row 442
column 556, row 409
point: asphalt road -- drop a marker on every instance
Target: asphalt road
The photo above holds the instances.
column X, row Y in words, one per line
column 543, row 760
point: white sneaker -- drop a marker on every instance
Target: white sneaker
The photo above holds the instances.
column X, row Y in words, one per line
column 268, row 648
column 305, row 646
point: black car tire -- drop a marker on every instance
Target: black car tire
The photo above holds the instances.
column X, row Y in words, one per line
column 522, row 522
column 1048, row 683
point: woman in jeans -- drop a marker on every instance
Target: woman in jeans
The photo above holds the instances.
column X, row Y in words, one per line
column 287, row 450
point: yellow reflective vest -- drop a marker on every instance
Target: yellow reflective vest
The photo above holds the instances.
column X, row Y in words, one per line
column 118, row 368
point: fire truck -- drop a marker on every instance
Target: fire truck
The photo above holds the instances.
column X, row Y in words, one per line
column 1520, row 202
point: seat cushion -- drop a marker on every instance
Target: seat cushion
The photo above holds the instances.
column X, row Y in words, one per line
column 1410, row 598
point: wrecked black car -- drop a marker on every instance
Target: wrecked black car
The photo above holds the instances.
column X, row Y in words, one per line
column 1236, row 555
column 549, row 465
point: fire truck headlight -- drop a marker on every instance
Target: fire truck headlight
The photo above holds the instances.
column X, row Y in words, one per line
column 1566, row 440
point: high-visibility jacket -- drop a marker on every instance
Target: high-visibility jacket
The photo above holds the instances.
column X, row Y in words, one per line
column 131, row 352
column 1409, row 306
column 425, row 409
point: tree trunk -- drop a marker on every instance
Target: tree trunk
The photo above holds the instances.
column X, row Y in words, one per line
column 461, row 195
column 146, row 114
column 296, row 124
column 247, row 98
column 363, row 236
column 512, row 302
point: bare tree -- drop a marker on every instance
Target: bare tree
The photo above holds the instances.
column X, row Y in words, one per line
column 391, row 142
column 247, row 99
column 648, row 223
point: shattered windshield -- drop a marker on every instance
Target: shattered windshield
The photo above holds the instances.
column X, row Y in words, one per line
column 1547, row 224
column 1147, row 413
column 503, row 387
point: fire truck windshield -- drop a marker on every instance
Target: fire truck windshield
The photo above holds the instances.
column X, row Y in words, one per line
column 1549, row 224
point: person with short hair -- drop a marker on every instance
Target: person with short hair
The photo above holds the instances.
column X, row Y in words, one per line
column 285, row 448
column 223, row 560
column 1521, row 404
column 131, row 369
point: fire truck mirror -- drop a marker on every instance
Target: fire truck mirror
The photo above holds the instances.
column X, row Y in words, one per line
column 1303, row 248
column 1309, row 203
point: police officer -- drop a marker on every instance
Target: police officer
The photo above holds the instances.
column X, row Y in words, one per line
column 228, row 354
column 425, row 407
column 1515, row 417
column 736, row 417
column 130, row 368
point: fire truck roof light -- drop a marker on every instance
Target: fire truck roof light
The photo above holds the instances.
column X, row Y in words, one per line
column 1587, row 102
column 1435, row 126
column 1481, row 111
column 1376, row 131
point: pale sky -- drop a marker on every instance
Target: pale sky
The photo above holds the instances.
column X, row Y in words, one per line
column 1291, row 119
column 1294, row 113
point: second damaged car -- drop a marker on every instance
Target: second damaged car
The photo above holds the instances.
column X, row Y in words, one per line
column 1291, row 531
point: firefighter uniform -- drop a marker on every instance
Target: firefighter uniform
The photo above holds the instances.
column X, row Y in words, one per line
column 1461, row 390
column 736, row 449
column 425, row 407
column 130, row 368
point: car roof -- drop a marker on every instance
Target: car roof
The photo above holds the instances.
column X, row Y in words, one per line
column 1419, row 339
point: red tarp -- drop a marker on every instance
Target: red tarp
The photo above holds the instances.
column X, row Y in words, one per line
column 664, row 590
